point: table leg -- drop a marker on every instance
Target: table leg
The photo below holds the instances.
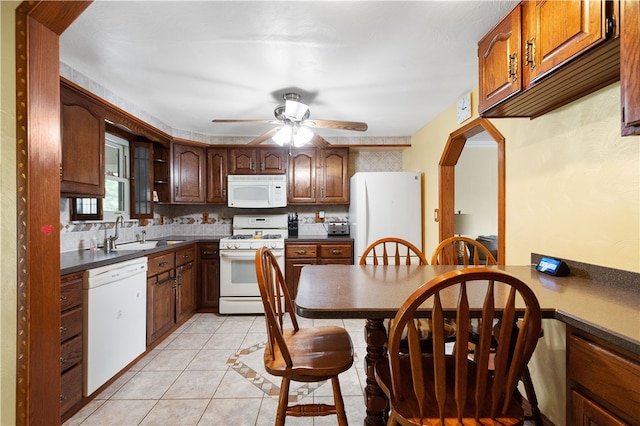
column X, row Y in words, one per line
column 375, row 400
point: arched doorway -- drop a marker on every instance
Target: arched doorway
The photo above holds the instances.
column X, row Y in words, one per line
column 450, row 155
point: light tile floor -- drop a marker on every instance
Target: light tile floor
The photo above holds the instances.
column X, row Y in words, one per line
column 210, row 372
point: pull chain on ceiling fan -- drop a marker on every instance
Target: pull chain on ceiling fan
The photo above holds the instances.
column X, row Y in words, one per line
column 295, row 124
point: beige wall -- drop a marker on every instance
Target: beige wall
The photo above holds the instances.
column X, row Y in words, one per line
column 572, row 182
column 572, row 191
column 8, row 270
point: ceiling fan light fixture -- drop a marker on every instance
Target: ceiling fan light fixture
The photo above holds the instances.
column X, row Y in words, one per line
column 283, row 135
column 302, row 136
column 295, row 111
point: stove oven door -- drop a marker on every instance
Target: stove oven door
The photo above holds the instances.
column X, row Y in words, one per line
column 238, row 272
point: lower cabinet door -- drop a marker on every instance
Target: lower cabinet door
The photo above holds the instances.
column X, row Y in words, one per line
column 185, row 291
column 70, row 388
column 160, row 305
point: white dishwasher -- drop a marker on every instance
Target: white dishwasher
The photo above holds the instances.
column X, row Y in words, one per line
column 115, row 320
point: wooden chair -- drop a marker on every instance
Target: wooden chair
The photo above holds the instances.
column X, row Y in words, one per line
column 299, row 354
column 449, row 252
column 396, row 251
column 392, row 251
column 430, row 389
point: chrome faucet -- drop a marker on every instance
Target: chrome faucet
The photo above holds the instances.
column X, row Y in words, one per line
column 110, row 243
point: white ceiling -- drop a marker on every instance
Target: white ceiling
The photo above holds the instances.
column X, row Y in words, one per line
column 394, row 64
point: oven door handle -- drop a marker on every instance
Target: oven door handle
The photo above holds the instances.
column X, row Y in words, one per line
column 247, row 254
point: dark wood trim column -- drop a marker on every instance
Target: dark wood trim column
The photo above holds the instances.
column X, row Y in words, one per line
column 38, row 26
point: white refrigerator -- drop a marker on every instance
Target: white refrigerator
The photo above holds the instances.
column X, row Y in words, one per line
column 385, row 204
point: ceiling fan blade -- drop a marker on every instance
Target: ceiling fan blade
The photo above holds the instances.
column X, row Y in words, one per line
column 333, row 124
column 242, row 121
column 263, row 137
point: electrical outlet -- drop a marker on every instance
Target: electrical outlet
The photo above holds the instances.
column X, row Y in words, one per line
column 205, row 217
column 321, row 216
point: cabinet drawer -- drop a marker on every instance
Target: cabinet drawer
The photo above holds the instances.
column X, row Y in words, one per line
column 161, row 264
column 335, row 250
column 70, row 388
column 209, row 251
column 301, row 251
column 71, row 293
column 70, row 353
column 185, row 255
column 614, row 378
column 70, row 324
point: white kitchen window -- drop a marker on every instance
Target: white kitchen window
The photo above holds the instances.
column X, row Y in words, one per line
column 116, row 170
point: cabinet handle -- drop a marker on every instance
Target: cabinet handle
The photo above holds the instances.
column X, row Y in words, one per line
column 186, row 256
column 512, row 65
column 63, row 298
column 262, row 166
column 159, row 283
column 336, row 251
column 209, row 252
column 63, row 329
column 176, row 191
column 62, row 360
column 63, row 397
column 530, row 52
column 224, row 193
column 301, row 252
column 163, row 264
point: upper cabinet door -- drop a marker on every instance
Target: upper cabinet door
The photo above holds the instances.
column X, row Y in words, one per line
column 188, row 174
column 630, row 66
column 82, row 161
column 273, row 161
column 499, row 61
column 141, row 179
column 217, row 175
column 243, row 161
column 302, row 176
column 556, row 31
column 333, row 179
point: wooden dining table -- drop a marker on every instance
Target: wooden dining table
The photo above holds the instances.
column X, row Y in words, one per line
column 375, row 293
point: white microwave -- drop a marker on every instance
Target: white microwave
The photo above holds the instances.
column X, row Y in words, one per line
column 257, row 192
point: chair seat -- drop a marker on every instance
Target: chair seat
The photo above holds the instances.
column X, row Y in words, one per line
column 318, row 353
column 409, row 405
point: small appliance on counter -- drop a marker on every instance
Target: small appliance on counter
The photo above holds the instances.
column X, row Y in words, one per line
column 293, row 225
column 338, row 229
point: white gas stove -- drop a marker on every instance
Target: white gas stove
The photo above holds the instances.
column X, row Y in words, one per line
column 239, row 292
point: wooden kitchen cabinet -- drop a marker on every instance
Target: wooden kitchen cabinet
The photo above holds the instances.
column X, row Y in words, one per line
column 217, row 175
column 209, row 289
column 162, row 173
column 546, row 54
column 185, row 282
column 82, row 153
column 141, row 179
column 161, row 298
column 318, row 176
column 188, row 166
column 71, row 357
column 556, row 31
column 171, row 290
column 603, row 382
column 333, row 176
column 300, row 253
column 302, row 183
column 500, row 66
column 256, row 161
column 630, row 66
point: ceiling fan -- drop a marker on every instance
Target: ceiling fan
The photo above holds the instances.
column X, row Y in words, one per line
column 295, row 126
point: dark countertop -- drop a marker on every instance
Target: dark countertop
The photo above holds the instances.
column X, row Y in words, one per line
column 77, row 261
column 80, row 260
column 319, row 238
